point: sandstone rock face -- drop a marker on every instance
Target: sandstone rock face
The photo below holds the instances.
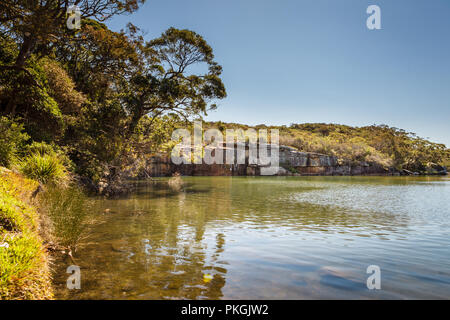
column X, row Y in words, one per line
column 291, row 162
column 293, row 158
column 436, row 169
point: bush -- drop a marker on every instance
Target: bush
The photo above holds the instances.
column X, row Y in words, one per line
column 12, row 141
column 43, row 148
column 44, row 168
column 350, row 148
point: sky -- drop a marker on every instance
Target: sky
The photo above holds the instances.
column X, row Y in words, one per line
column 297, row 61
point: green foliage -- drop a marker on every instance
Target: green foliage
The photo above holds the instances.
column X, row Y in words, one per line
column 12, row 141
column 36, row 25
column 68, row 209
column 93, row 87
column 154, row 134
column 40, row 148
column 43, row 148
column 348, row 148
column 25, row 95
column 8, row 50
column 44, row 168
column 24, row 273
column 62, row 88
column 166, row 84
column 17, row 259
column 381, row 144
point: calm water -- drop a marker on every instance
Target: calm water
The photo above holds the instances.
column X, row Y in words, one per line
column 269, row 238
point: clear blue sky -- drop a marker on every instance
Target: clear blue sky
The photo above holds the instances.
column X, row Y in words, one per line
column 316, row 61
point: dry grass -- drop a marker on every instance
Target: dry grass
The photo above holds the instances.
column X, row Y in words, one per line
column 66, row 209
column 176, row 183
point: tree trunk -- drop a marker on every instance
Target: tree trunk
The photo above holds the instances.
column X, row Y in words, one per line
column 26, row 49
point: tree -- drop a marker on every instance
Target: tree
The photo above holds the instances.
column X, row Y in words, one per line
column 100, row 60
column 34, row 23
column 167, row 83
column 104, row 96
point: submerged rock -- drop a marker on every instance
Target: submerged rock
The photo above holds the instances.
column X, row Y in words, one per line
column 339, row 279
column 119, row 246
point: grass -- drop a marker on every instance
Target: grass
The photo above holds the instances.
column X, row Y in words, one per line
column 45, row 168
column 68, row 210
column 24, row 272
column 59, row 213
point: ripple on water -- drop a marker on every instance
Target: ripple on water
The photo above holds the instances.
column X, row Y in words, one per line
column 269, row 238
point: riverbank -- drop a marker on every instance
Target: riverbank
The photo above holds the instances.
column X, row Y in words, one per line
column 291, row 162
column 24, row 260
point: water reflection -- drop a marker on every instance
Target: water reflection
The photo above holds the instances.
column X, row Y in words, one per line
column 275, row 238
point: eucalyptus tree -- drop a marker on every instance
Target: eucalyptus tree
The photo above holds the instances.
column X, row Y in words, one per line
column 34, row 27
column 178, row 75
column 35, row 23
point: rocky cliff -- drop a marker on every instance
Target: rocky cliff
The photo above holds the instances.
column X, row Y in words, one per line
column 291, row 162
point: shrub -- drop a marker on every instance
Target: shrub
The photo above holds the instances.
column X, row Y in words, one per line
column 12, row 140
column 44, row 168
column 353, row 149
column 43, row 148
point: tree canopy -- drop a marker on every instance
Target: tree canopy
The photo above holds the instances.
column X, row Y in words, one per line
column 92, row 90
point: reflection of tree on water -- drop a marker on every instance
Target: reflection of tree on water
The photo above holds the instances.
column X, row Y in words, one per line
column 153, row 250
column 160, row 243
column 180, row 254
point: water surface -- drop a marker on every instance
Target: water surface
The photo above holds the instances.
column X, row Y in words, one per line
column 269, row 238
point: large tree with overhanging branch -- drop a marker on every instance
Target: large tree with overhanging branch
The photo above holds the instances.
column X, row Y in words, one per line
column 170, row 81
column 92, row 90
column 34, row 24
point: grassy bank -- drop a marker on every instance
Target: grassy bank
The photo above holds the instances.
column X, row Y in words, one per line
column 24, row 269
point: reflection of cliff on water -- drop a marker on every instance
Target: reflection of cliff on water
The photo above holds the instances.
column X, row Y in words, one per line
column 276, row 202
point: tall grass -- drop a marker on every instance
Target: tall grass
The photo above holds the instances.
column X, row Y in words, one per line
column 68, row 209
